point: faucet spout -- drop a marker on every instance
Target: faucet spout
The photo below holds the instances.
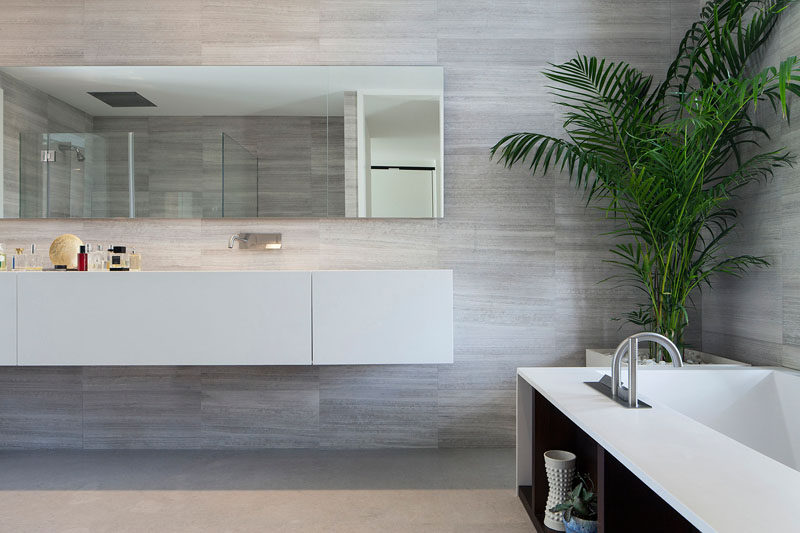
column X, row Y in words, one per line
column 235, row 237
column 630, row 346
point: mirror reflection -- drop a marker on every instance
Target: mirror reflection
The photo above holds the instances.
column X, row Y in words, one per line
column 402, row 156
column 188, row 142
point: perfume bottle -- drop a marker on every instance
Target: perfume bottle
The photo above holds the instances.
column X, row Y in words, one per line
column 97, row 258
column 135, row 261
column 119, row 259
column 18, row 259
column 34, row 262
column 83, row 258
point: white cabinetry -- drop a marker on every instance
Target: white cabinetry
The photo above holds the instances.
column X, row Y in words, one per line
column 8, row 319
column 226, row 318
column 383, row 317
column 165, row 318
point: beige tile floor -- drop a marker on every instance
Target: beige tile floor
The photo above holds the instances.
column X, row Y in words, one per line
column 282, row 491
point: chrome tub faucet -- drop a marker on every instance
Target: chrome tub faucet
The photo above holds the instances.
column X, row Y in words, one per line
column 630, row 346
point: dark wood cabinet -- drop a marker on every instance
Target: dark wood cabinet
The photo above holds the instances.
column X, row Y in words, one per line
column 625, row 503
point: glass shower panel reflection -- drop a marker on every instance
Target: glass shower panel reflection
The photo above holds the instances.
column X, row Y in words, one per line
column 75, row 175
column 33, row 175
column 71, row 174
column 111, row 172
column 239, row 180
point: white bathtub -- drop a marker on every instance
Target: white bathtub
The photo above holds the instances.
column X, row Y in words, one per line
column 755, row 406
column 717, row 444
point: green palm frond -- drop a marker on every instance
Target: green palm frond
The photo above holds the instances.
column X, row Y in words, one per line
column 720, row 45
column 664, row 160
column 605, row 104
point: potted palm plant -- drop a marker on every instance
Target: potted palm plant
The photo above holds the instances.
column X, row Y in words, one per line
column 663, row 160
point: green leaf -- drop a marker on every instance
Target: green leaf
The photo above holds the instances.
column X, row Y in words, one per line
column 663, row 161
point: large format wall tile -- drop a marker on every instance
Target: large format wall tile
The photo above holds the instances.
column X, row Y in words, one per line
column 141, row 407
column 381, row 244
column 785, row 300
column 377, row 407
column 260, row 407
column 525, row 252
column 476, row 19
column 147, row 32
column 45, row 32
column 377, row 31
column 41, row 407
column 483, row 417
column 171, row 244
column 751, row 317
column 258, row 32
column 790, row 357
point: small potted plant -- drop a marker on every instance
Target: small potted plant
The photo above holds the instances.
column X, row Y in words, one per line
column 580, row 508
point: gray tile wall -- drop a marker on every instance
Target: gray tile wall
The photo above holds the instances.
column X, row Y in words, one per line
column 28, row 110
column 350, row 132
column 525, row 253
column 757, row 318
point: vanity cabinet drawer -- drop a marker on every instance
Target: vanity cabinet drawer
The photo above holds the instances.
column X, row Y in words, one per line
column 383, row 317
column 165, row 318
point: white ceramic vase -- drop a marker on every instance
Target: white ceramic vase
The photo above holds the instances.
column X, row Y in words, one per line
column 560, row 468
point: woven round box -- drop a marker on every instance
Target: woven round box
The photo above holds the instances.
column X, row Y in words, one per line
column 64, row 250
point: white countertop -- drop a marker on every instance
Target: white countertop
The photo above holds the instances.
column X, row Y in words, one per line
column 717, row 483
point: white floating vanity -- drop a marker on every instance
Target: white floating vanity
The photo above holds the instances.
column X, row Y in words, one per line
column 227, row 318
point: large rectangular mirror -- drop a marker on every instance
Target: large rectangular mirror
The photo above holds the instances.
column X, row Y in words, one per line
column 222, row 141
